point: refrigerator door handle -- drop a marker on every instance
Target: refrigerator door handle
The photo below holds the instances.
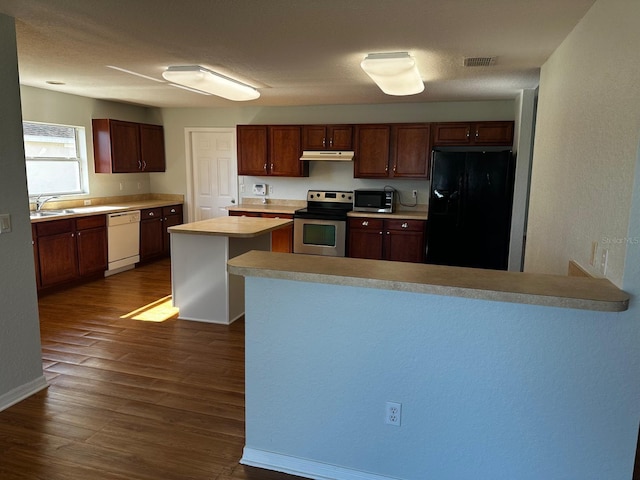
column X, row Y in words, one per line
column 459, row 206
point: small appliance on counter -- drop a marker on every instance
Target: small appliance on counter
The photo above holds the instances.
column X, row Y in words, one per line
column 321, row 228
column 373, row 200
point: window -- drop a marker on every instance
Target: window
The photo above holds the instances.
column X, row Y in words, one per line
column 56, row 159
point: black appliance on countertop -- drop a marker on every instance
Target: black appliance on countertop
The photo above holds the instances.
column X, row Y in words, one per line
column 470, row 207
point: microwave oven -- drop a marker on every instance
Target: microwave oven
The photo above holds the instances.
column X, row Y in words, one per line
column 375, row 201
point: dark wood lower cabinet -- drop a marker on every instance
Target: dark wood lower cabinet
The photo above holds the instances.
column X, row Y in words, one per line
column 387, row 239
column 69, row 250
column 91, row 241
column 155, row 240
column 281, row 239
column 365, row 238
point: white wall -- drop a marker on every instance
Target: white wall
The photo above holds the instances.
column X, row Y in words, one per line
column 20, row 360
column 39, row 105
column 586, row 144
column 489, row 390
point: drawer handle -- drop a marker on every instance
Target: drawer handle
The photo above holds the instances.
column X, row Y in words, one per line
column 365, row 223
column 405, row 225
column 173, row 210
column 151, row 214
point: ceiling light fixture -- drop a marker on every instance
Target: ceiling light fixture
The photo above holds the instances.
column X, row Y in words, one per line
column 203, row 79
column 395, row 73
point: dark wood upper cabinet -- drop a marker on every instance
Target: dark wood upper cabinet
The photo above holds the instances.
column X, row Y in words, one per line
column 473, row 133
column 152, row 148
column 285, row 149
column 252, row 143
column 127, row 147
column 410, row 150
column 327, row 137
column 270, row 150
column 372, row 151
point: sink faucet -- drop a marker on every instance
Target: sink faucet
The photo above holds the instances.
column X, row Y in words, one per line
column 40, row 202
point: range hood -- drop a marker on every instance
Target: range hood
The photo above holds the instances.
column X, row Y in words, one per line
column 336, row 156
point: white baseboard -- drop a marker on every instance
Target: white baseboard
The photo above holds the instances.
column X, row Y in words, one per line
column 303, row 467
column 23, row 391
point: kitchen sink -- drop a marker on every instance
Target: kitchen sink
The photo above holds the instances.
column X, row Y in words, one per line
column 49, row 213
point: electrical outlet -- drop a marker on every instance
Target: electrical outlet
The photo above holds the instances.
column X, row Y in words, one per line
column 393, row 413
column 87, row 202
column 414, row 193
column 270, row 189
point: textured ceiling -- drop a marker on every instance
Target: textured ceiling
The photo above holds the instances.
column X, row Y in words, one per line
column 296, row 52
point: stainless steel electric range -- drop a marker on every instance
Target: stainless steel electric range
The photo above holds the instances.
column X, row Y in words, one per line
column 321, row 228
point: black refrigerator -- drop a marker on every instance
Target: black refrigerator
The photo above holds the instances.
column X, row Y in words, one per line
column 470, row 207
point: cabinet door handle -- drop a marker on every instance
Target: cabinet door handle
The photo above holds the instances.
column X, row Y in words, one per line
column 388, row 233
column 395, row 167
column 365, row 223
column 151, row 214
column 468, row 131
column 144, row 165
column 73, row 235
column 477, row 133
column 324, row 142
column 386, row 169
column 265, row 167
column 405, row 225
column 331, row 142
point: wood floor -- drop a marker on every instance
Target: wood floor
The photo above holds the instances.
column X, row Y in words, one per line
column 130, row 399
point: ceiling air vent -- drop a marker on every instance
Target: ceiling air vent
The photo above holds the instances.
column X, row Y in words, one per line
column 479, row 61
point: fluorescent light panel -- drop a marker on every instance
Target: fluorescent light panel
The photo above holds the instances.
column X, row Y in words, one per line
column 205, row 80
column 395, row 73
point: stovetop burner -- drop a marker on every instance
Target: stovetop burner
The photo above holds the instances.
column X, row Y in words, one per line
column 330, row 205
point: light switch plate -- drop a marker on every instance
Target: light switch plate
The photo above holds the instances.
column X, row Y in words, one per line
column 5, row 223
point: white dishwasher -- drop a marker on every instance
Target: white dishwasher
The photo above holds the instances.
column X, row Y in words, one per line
column 123, row 236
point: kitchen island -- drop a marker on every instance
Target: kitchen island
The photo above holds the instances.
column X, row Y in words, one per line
column 202, row 288
column 499, row 374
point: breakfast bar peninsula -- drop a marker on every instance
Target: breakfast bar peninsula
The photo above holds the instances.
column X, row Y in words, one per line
column 202, row 288
column 378, row 370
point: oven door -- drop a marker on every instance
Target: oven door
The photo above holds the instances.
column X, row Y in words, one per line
column 319, row 237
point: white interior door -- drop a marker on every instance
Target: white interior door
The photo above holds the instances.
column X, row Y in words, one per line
column 214, row 172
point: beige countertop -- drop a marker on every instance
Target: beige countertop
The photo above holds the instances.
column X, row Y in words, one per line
column 239, row 227
column 267, row 208
column 83, row 211
column 513, row 287
column 398, row 214
column 290, row 206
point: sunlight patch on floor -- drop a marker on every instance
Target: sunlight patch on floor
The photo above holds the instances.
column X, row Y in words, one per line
column 158, row 311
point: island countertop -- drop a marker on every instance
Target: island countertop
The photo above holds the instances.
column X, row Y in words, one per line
column 597, row 294
column 238, row 227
